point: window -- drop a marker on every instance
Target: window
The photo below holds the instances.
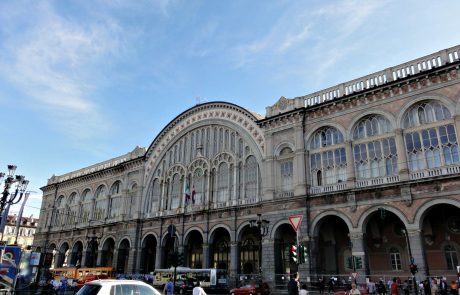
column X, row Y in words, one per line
column 222, row 183
column 101, row 203
column 374, row 157
column 85, row 207
column 328, row 164
column 430, row 138
column 451, row 257
column 395, row 258
column 116, row 188
column 175, row 191
column 286, row 169
column 198, row 187
column 251, row 177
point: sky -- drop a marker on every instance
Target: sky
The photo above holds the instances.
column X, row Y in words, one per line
column 82, row 82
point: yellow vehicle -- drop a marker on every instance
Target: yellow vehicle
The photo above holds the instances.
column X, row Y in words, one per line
column 81, row 272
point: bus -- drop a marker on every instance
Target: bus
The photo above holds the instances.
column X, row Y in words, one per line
column 212, row 280
column 78, row 273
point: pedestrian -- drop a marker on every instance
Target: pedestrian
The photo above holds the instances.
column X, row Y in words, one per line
column 443, row 286
column 371, row 287
column 303, row 290
column 381, row 290
column 454, row 288
column 321, row 285
column 405, row 287
column 330, row 286
column 426, row 287
column 434, row 286
column 197, row 290
column 169, row 287
column 354, row 290
column 394, row 287
column 293, row 285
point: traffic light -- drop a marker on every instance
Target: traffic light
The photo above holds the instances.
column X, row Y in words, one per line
column 358, row 262
column 303, row 254
column 293, row 257
column 413, row 268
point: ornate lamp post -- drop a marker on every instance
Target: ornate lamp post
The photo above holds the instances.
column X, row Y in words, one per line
column 10, row 180
column 262, row 230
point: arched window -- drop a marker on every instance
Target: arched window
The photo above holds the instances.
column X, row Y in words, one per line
column 430, row 136
column 222, row 183
column 328, row 163
column 374, row 156
column 221, row 253
column 286, row 169
column 85, row 207
column 395, row 259
column 116, row 188
column 249, row 255
column 59, row 211
column 175, row 191
column 101, row 203
column 451, row 257
column 251, row 177
column 198, row 187
column 115, row 199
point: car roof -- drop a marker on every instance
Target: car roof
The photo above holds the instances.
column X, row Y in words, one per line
column 111, row 282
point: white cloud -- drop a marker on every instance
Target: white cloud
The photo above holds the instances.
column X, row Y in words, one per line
column 55, row 63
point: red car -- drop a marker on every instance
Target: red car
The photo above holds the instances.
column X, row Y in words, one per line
column 252, row 288
column 362, row 288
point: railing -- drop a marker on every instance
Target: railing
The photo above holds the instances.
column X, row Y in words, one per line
column 328, row 188
column 383, row 77
column 435, row 172
column 377, row 181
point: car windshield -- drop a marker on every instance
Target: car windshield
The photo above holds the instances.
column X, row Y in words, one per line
column 89, row 290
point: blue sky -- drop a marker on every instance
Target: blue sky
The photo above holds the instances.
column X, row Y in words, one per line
column 85, row 81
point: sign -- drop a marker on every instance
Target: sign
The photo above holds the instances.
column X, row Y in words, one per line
column 35, row 259
column 354, row 275
column 357, row 253
column 295, row 221
column 9, row 263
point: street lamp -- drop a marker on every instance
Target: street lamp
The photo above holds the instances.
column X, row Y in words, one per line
column 262, row 229
column 413, row 266
column 10, row 180
column 92, row 248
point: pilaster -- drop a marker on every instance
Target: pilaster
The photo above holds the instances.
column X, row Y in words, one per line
column 403, row 168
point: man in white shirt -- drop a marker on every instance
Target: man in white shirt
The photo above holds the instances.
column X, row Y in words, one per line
column 198, row 290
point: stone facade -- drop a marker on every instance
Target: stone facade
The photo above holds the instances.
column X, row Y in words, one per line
column 372, row 165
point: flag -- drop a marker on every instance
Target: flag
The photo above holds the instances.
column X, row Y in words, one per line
column 4, row 218
column 193, row 195
column 187, row 194
column 18, row 222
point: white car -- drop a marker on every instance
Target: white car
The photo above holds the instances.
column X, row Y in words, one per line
column 117, row 287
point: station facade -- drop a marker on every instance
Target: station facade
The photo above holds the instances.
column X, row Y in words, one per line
column 372, row 165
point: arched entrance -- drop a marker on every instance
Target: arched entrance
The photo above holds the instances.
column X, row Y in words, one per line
column 220, row 249
column 63, row 256
column 385, row 244
column 149, row 250
column 284, row 237
column 332, row 243
column 441, row 240
column 77, row 254
column 123, row 257
column 107, row 251
column 168, row 249
column 249, row 251
column 194, row 250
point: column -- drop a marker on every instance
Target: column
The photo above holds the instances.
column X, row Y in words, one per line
column 205, row 258
column 415, row 238
column 115, row 260
column 100, row 253
column 267, row 169
column 403, row 168
column 268, row 259
column 158, row 256
column 233, row 270
column 299, row 162
column 132, row 252
column 314, row 254
column 351, row 178
column 357, row 251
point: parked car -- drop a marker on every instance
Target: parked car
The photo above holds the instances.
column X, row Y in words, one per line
column 251, row 288
column 88, row 278
column 106, row 287
column 362, row 288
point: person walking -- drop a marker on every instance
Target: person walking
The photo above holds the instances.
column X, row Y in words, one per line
column 198, row 290
column 321, row 285
column 454, row 288
column 394, row 288
column 330, row 286
column 405, row 287
column 169, row 287
column 354, row 290
column 434, row 286
column 303, row 290
column 371, row 287
column 443, row 286
column 381, row 290
column 293, row 285
column 426, row 287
